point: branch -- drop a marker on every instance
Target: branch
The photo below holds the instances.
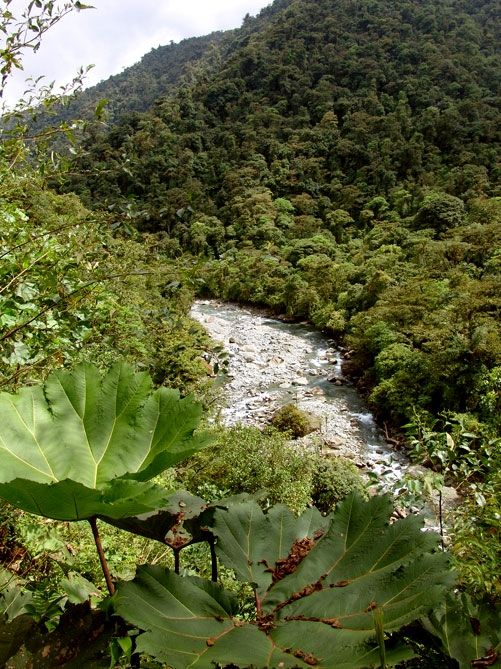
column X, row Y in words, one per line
column 33, row 239
column 26, row 269
column 53, row 303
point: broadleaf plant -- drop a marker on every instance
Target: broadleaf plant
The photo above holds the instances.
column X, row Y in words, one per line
column 86, row 444
column 470, row 634
column 185, row 520
column 323, row 590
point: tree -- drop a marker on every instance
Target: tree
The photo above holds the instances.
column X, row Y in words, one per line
column 440, row 212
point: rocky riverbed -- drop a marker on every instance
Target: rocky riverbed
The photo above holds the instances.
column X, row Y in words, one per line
column 272, row 363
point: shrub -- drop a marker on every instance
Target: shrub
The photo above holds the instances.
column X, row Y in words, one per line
column 329, row 318
column 244, row 459
column 333, row 479
column 476, row 547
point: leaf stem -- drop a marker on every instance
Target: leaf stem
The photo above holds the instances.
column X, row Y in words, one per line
column 259, row 608
column 379, row 627
column 177, row 561
column 440, row 518
column 102, row 557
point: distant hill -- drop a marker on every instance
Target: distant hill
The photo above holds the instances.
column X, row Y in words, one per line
column 137, row 87
column 158, row 73
column 161, row 71
column 339, row 99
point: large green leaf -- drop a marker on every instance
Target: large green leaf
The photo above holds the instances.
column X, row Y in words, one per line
column 83, row 444
column 468, row 633
column 13, row 597
column 177, row 523
column 190, row 623
column 318, row 590
column 372, row 563
column 182, row 521
column 252, row 543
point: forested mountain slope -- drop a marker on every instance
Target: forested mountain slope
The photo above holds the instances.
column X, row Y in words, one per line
column 342, row 100
column 157, row 74
column 137, row 87
column 340, row 164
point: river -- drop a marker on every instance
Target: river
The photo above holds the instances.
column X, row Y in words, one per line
column 272, row 363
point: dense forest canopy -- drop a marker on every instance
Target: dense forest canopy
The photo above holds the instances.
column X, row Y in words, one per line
column 348, row 152
column 333, row 161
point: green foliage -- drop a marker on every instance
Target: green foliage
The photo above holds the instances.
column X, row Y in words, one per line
column 250, row 542
column 468, row 633
column 293, row 420
column 35, row 631
column 263, row 186
column 137, row 87
column 290, row 161
column 293, row 564
column 329, row 319
column 440, row 212
column 309, row 182
column 476, row 537
column 244, row 459
column 398, row 369
column 48, row 553
column 464, row 448
column 13, row 600
column 86, row 444
column 333, row 479
column 70, row 291
column 12, row 636
column 83, row 635
column 46, row 295
column 467, row 452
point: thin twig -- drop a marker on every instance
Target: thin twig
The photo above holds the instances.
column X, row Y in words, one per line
column 26, row 269
column 259, row 607
column 35, row 237
column 22, row 370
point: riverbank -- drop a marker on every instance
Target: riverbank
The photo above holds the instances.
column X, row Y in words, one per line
column 272, row 362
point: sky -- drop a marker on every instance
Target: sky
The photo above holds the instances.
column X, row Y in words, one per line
column 117, row 33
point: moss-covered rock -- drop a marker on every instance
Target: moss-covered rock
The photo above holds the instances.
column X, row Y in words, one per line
column 293, row 420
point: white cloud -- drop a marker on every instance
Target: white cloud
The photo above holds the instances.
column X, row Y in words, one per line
column 117, row 33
